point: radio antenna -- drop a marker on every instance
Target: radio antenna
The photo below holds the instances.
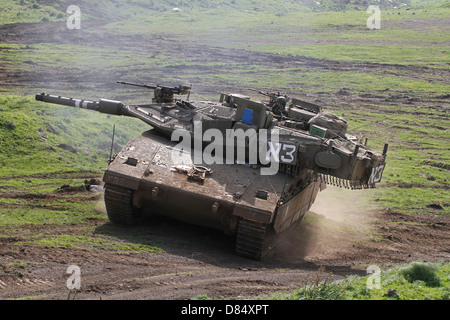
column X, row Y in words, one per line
column 112, row 143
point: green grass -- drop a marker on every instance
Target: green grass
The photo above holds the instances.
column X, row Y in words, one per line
column 25, row 151
column 90, row 243
column 76, row 57
column 414, row 281
column 425, row 272
column 29, row 11
column 289, row 30
column 292, row 29
column 424, row 55
column 299, row 32
column 59, row 213
column 418, row 280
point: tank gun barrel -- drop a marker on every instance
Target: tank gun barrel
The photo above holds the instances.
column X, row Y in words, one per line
column 150, row 114
column 103, row 105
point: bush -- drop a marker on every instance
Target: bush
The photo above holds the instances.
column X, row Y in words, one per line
column 445, row 293
column 425, row 272
column 7, row 124
column 317, row 289
column 320, row 291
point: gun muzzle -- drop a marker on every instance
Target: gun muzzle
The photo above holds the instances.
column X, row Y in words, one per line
column 103, row 106
column 84, row 104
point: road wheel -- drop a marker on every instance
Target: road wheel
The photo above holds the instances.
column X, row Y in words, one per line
column 118, row 202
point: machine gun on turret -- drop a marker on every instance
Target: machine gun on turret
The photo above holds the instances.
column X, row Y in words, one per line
column 272, row 96
column 162, row 94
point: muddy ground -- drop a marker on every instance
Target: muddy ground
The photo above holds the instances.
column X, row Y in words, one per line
column 199, row 261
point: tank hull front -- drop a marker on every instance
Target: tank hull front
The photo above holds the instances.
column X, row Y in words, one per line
column 153, row 169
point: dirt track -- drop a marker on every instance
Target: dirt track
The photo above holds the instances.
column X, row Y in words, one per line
column 198, row 261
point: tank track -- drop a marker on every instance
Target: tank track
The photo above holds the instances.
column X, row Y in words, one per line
column 256, row 240
column 118, row 202
column 250, row 239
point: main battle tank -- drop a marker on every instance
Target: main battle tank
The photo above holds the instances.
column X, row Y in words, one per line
column 248, row 168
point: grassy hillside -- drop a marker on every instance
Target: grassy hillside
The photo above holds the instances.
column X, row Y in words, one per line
column 54, row 10
column 25, row 11
column 38, row 139
column 47, row 153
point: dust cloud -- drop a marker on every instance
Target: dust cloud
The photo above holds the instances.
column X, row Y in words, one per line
column 338, row 220
column 342, row 205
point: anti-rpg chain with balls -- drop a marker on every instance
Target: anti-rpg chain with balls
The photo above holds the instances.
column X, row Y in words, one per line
column 227, row 309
